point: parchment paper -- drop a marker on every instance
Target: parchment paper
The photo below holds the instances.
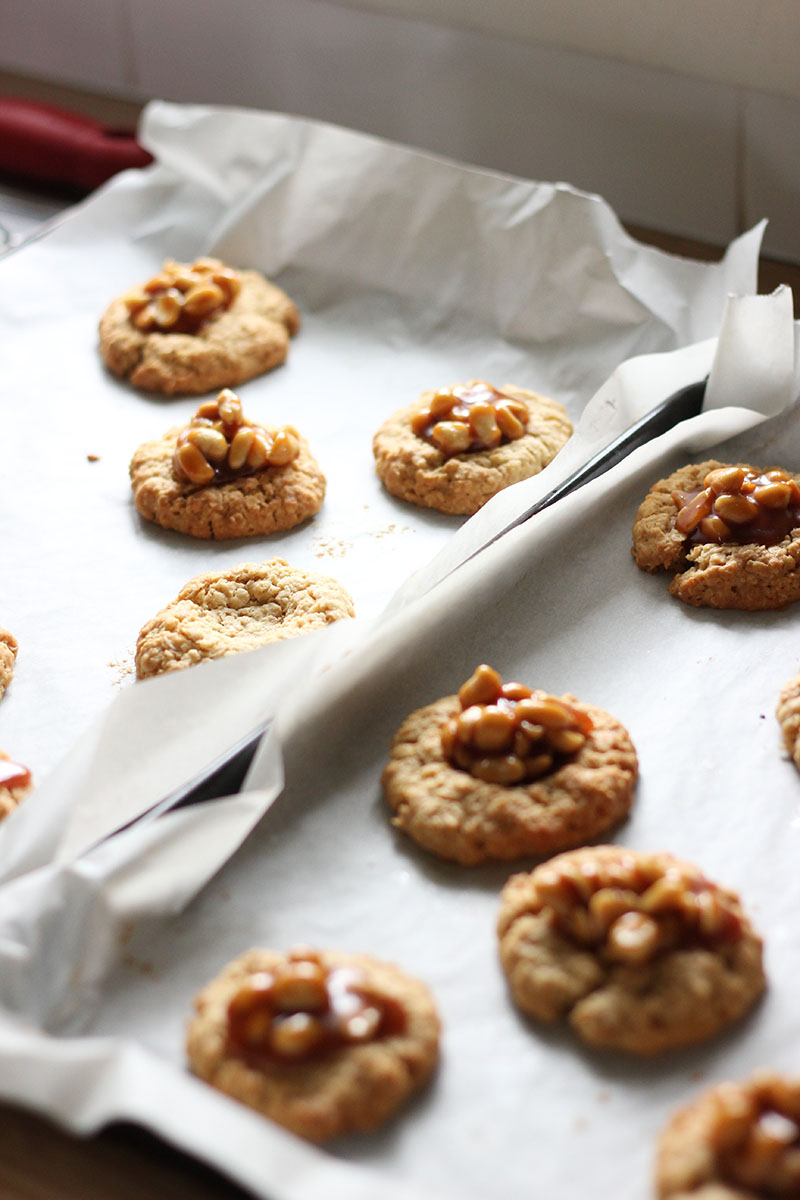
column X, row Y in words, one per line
column 100, row 955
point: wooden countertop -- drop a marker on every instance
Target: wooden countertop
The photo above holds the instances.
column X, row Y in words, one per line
column 40, row 1162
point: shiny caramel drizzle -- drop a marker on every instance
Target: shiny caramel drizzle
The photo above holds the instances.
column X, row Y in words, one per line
column 13, row 774
column 303, row 1010
column 739, row 505
column 469, row 417
column 183, row 297
column 506, row 733
column 219, row 445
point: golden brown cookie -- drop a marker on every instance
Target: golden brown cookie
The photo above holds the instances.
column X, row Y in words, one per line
column 736, row 1141
column 15, row 784
column 199, row 488
column 415, row 467
column 322, row 1042
column 499, row 797
column 788, row 714
column 240, row 608
column 730, row 504
column 8, row 655
column 241, row 328
column 638, row 952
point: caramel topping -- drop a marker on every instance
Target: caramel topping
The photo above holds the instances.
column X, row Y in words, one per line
column 183, row 297
column 303, row 1010
column 739, row 505
column 218, row 445
column 507, row 734
column 755, row 1134
column 469, row 417
column 632, row 907
column 13, row 774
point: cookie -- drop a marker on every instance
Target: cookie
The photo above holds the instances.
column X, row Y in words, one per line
column 506, row 435
column 322, row 1042
column 731, row 532
column 788, row 714
column 638, row 952
column 513, row 785
column 196, row 327
column 736, row 1141
column 223, row 477
column 8, row 655
column 240, row 608
column 15, row 784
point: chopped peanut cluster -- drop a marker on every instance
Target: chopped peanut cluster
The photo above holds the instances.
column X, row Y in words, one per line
column 755, row 1135
column 183, row 296
column 468, row 417
column 632, row 906
column 739, row 505
column 303, row 1009
column 506, row 733
column 218, row 445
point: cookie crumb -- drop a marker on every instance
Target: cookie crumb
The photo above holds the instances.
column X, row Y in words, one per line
column 93, row 458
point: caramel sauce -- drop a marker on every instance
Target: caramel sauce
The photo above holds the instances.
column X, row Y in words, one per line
column 223, row 471
column 13, row 775
column 701, row 523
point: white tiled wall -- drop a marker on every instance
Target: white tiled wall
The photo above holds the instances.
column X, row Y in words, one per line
column 687, row 155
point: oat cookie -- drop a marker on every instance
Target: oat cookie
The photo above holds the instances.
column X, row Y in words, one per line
column 322, row 1042
column 731, row 532
column 196, row 327
column 221, row 476
column 15, row 784
column 499, row 771
column 638, row 952
column 8, row 655
column 454, row 449
column 788, row 714
column 736, row 1141
column 240, row 608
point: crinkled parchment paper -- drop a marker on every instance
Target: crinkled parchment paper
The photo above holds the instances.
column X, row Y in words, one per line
column 409, row 271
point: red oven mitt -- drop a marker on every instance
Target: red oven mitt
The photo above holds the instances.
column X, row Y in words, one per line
column 40, row 143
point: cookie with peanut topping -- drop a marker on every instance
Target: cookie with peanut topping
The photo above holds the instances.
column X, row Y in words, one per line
column 638, row 952
column 8, row 656
column 15, row 784
column 222, row 476
column 736, row 1141
column 324, row 1043
column 730, row 532
column 501, row 771
column 196, row 327
column 455, row 448
column 237, row 609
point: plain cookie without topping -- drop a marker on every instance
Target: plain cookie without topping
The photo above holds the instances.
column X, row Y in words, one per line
column 244, row 340
column 225, row 612
column 8, row 655
column 741, row 575
column 736, row 1141
column 352, row 1086
column 638, row 952
column 415, row 470
column 453, row 814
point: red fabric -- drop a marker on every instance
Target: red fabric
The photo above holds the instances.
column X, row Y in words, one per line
column 45, row 144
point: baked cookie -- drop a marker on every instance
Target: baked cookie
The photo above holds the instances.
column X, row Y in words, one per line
column 737, row 1141
column 15, row 783
column 730, row 531
column 240, row 608
column 221, row 476
column 639, row 952
column 8, row 655
column 499, row 771
column 454, row 449
column 196, row 327
column 788, row 714
column 322, row 1042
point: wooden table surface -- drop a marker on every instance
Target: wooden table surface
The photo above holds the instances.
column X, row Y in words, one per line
column 41, row 1162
